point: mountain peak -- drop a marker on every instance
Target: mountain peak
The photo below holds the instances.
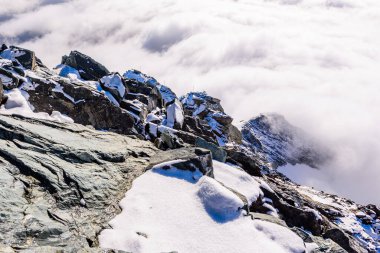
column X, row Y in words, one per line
column 75, row 139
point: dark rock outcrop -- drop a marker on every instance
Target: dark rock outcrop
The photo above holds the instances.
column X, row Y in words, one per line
column 167, row 141
column 344, row 240
column 20, row 56
column 206, row 118
column 324, row 215
column 323, row 244
column 83, row 104
column 88, row 68
column 246, row 160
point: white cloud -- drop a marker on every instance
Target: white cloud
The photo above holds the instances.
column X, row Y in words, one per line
column 316, row 61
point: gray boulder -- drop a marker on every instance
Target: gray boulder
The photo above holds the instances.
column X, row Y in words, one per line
column 217, row 152
column 186, row 159
column 168, row 140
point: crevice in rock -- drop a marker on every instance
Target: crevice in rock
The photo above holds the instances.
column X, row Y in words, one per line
column 27, row 171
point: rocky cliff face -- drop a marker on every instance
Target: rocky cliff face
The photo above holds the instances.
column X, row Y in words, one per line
column 61, row 182
column 278, row 142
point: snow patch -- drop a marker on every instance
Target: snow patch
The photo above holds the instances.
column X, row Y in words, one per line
column 174, row 114
column 114, row 82
column 67, row 71
column 237, row 179
column 17, row 104
column 174, row 210
column 221, row 204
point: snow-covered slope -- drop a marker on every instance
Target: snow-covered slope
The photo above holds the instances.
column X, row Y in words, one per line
column 174, row 210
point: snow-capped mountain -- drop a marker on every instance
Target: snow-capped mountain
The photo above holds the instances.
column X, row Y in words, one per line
column 279, row 142
column 97, row 161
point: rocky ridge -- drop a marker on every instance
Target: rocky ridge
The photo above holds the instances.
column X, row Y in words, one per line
column 66, row 179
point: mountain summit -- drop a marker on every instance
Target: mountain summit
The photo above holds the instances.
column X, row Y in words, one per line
column 98, row 161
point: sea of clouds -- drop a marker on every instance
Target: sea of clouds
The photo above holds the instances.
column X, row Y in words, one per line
column 315, row 61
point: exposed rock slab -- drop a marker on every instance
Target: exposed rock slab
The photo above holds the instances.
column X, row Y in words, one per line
column 61, row 183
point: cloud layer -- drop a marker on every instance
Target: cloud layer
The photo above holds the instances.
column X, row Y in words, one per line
column 315, row 61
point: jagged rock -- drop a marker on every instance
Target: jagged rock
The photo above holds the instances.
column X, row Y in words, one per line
column 247, row 162
column 138, row 109
column 24, row 57
column 187, row 137
column 234, row 134
column 294, row 208
column 61, row 183
column 115, row 84
column 154, row 132
column 9, row 79
column 217, row 152
column 83, row 104
column 168, row 140
column 323, row 245
column 194, row 126
column 145, row 84
column 151, row 100
column 223, row 119
column 280, row 142
column 373, row 209
column 216, row 122
column 323, row 214
column 186, row 159
column 88, row 68
column 343, row 239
